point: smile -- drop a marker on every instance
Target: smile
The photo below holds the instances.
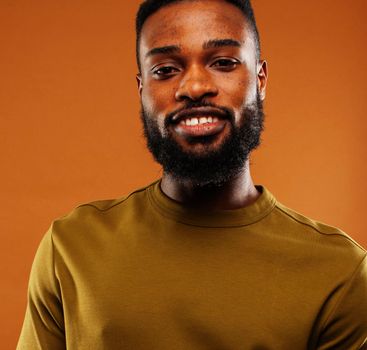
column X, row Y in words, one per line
column 198, row 121
column 200, row 126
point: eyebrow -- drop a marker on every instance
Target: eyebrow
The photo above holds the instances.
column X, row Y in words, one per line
column 210, row 44
column 163, row 50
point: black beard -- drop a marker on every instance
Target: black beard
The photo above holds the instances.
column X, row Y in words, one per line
column 212, row 167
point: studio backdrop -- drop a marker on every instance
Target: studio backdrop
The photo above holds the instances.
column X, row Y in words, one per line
column 70, row 130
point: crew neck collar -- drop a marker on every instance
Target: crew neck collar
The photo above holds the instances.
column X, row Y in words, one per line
column 213, row 218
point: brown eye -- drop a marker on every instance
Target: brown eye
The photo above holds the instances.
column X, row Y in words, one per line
column 225, row 64
column 164, row 72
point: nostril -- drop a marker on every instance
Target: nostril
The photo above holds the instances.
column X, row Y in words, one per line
column 196, row 91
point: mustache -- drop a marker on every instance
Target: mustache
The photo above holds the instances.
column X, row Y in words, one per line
column 225, row 112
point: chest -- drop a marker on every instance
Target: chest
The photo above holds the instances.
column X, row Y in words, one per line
column 138, row 298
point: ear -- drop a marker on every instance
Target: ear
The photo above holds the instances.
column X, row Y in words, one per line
column 140, row 83
column 262, row 77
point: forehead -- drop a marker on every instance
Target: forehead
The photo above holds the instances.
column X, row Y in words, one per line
column 187, row 23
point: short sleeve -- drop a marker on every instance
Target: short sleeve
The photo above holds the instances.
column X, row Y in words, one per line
column 43, row 326
column 346, row 326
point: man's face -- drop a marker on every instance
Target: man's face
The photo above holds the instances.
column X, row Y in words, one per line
column 201, row 89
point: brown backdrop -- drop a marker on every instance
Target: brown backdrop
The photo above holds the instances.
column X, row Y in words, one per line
column 70, row 131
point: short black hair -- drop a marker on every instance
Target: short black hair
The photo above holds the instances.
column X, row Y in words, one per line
column 148, row 7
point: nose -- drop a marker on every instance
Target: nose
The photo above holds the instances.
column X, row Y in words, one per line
column 195, row 85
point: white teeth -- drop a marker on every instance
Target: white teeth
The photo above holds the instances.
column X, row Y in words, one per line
column 197, row 121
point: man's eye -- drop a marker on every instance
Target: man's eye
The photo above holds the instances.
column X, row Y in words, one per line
column 164, row 71
column 225, row 64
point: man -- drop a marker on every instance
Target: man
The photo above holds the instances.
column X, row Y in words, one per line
column 201, row 259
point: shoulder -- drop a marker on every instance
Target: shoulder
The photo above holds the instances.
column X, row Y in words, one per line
column 100, row 215
column 318, row 235
column 109, row 204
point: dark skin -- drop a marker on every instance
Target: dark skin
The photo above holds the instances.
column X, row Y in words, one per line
column 207, row 53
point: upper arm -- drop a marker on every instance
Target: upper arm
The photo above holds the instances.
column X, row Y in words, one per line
column 43, row 326
column 346, row 325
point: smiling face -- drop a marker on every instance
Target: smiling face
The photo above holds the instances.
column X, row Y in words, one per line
column 200, row 81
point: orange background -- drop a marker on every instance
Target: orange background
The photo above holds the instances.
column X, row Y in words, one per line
column 70, row 130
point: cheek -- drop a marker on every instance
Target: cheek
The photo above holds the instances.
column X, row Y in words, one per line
column 156, row 97
column 155, row 101
column 234, row 92
column 237, row 93
column 242, row 91
column 147, row 98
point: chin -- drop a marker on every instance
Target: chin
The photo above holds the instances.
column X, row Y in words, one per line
column 202, row 146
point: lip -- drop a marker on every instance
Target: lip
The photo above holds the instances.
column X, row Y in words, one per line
column 197, row 112
column 201, row 130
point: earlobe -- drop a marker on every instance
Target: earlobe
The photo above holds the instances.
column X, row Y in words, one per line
column 140, row 83
column 262, row 77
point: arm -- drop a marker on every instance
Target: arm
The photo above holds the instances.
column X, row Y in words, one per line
column 43, row 326
column 346, row 325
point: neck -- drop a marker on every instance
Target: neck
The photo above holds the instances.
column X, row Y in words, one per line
column 236, row 193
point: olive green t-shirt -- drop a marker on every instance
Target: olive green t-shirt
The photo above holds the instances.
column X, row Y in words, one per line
column 146, row 272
